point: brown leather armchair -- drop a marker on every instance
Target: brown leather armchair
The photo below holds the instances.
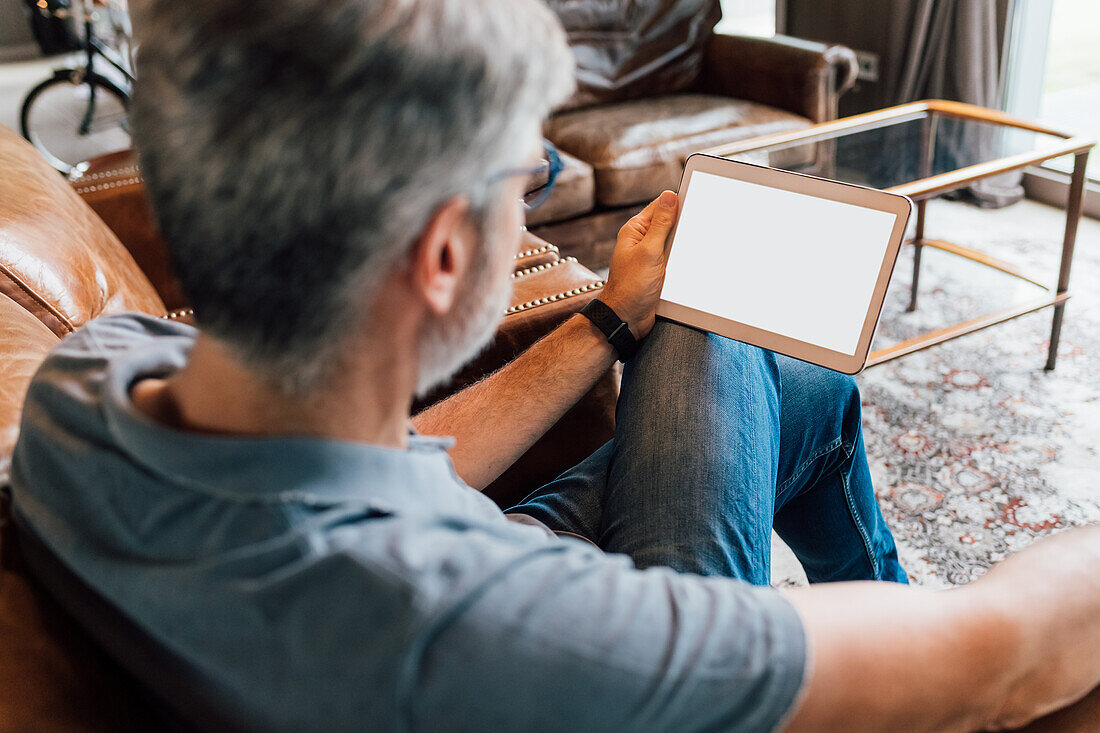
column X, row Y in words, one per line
column 656, row 83
column 61, row 266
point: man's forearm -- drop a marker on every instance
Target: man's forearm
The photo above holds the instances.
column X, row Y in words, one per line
column 891, row 657
column 496, row 420
column 1019, row 643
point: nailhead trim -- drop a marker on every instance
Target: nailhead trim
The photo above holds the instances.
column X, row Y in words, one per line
column 554, row 298
column 130, row 170
column 537, row 251
column 106, row 186
column 185, row 312
column 540, row 268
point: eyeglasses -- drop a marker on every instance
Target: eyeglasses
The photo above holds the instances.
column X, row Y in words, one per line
column 540, row 178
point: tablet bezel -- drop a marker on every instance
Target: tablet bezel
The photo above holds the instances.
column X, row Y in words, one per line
column 848, row 193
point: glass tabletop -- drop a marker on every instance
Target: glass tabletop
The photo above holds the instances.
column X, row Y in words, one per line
column 901, row 150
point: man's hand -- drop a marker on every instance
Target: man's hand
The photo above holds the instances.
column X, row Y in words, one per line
column 1017, row 644
column 1052, row 589
column 638, row 264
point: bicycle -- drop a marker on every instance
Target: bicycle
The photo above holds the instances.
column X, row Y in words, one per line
column 79, row 99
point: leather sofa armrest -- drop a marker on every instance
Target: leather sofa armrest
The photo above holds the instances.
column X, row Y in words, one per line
column 803, row 77
column 546, row 292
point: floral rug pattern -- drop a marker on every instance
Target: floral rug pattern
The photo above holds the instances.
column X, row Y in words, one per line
column 976, row 451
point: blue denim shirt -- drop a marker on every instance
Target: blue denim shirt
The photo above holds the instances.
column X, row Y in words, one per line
column 333, row 585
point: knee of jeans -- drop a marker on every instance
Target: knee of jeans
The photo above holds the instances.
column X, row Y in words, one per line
column 846, row 391
column 671, row 346
column 674, row 338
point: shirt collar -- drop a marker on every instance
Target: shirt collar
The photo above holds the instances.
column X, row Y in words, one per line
column 290, row 469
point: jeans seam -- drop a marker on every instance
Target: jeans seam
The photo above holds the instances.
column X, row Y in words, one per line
column 829, row 448
column 859, row 523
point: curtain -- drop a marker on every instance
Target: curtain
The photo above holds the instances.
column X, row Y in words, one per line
column 952, row 52
column 928, row 49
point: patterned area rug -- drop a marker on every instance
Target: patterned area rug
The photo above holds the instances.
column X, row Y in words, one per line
column 976, row 451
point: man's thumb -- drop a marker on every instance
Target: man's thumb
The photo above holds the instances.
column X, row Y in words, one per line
column 664, row 213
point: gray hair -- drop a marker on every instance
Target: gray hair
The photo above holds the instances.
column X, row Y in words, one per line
column 292, row 150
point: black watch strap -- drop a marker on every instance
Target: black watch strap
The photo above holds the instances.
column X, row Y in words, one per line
column 614, row 328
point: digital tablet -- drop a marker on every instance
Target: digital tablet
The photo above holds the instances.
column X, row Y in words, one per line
column 791, row 263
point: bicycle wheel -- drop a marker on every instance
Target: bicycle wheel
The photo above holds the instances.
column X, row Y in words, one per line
column 54, row 111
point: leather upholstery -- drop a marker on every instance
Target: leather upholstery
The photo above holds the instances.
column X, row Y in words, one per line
column 573, row 193
column 54, row 678
column 534, row 251
column 637, row 147
column 591, row 238
column 802, row 77
column 24, row 342
column 641, row 48
column 57, row 258
column 112, row 185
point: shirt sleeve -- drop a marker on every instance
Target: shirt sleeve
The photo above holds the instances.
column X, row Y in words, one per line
column 566, row 638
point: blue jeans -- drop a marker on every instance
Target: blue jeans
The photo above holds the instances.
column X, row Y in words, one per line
column 716, row 443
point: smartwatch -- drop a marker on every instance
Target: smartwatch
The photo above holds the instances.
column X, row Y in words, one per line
column 614, row 328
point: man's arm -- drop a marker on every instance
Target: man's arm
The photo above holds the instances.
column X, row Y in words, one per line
column 1019, row 643
column 496, row 420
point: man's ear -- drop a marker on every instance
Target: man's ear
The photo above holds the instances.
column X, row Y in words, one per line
column 442, row 254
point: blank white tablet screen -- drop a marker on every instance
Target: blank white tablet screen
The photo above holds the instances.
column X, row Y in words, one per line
column 796, row 265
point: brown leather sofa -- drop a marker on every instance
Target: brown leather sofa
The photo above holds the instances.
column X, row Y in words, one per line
column 61, row 266
column 655, row 84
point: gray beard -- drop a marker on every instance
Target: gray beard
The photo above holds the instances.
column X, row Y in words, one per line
column 449, row 343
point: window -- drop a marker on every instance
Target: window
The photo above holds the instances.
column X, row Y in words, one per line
column 748, row 17
column 1070, row 97
column 1053, row 76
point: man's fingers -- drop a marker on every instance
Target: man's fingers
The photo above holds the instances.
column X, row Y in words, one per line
column 643, row 217
column 641, row 224
column 663, row 215
column 637, row 225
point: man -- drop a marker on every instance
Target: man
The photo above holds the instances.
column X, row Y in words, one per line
column 338, row 183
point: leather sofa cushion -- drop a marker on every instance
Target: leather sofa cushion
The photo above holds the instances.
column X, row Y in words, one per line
column 57, row 258
column 573, row 194
column 24, row 343
column 636, row 148
column 641, row 48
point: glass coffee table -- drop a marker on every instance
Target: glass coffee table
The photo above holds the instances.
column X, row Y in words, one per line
column 922, row 150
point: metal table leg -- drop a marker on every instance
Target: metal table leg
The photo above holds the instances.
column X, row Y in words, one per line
column 927, row 151
column 918, row 247
column 1073, row 215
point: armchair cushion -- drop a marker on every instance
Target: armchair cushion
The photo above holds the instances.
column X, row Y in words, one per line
column 637, row 147
column 803, row 77
column 573, row 193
